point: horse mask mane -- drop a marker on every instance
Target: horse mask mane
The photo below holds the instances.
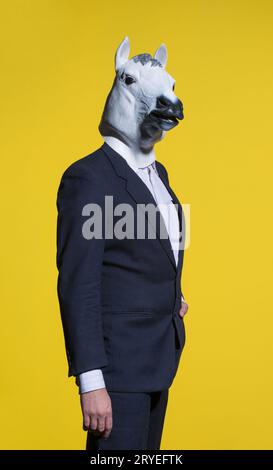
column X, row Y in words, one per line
column 141, row 105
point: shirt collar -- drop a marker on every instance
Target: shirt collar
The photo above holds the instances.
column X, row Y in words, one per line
column 135, row 158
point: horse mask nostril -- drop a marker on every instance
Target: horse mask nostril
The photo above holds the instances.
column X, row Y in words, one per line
column 163, row 102
column 169, row 107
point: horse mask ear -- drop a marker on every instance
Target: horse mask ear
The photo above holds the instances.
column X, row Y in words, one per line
column 122, row 53
column 161, row 55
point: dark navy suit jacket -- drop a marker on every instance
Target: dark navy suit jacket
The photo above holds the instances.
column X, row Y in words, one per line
column 119, row 298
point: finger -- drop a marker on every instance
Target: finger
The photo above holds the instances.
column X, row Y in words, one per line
column 86, row 422
column 108, row 426
column 101, row 423
column 181, row 312
column 184, row 307
column 105, row 434
column 94, row 423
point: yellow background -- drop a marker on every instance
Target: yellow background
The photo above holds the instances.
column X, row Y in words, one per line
column 57, row 66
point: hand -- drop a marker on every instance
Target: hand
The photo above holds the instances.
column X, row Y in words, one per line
column 183, row 310
column 97, row 412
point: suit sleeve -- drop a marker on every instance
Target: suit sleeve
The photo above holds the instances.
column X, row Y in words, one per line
column 79, row 262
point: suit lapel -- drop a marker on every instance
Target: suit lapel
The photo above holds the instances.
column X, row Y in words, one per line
column 179, row 211
column 174, row 197
column 140, row 193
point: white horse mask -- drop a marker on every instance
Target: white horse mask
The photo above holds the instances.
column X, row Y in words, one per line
column 141, row 105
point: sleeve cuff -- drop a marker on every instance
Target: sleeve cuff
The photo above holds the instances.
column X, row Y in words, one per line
column 90, row 380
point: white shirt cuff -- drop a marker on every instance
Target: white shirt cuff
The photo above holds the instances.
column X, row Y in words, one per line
column 90, row 380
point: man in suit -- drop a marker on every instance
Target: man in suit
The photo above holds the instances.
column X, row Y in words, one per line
column 120, row 297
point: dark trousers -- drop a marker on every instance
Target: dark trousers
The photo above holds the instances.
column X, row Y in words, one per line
column 138, row 420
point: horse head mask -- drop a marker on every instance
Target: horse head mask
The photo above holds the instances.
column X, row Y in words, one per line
column 141, row 105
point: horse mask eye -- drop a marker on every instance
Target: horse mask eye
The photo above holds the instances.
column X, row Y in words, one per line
column 128, row 80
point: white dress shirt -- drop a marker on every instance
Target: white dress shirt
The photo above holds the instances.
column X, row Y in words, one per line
column 144, row 166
